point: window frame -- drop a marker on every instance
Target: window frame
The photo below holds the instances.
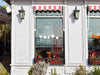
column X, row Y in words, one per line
column 63, row 26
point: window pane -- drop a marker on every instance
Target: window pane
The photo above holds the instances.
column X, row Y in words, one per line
column 94, row 26
column 47, row 28
column 49, row 38
column 94, row 40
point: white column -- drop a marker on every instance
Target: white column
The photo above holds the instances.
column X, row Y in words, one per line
column 86, row 32
column 66, row 31
column 13, row 40
column 32, row 34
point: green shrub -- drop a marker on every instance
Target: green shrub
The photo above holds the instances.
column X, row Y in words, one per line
column 96, row 71
column 38, row 68
column 4, row 73
column 53, row 73
column 80, row 71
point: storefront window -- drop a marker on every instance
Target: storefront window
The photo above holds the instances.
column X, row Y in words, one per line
column 49, row 37
column 94, row 37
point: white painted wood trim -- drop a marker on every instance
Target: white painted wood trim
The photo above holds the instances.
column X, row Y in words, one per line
column 85, row 50
column 66, row 34
column 13, row 35
column 83, row 23
column 48, row 16
column 32, row 35
column 93, row 16
column 86, row 34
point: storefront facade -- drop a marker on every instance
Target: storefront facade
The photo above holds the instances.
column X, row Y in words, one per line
column 50, row 30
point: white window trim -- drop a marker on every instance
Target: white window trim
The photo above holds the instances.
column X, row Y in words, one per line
column 48, row 16
column 93, row 17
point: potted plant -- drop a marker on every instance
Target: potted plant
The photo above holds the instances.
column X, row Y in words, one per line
column 38, row 68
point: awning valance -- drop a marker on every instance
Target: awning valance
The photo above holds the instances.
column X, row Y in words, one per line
column 45, row 8
column 94, row 7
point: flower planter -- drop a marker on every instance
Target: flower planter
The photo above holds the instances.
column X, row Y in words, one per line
column 52, row 61
column 94, row 61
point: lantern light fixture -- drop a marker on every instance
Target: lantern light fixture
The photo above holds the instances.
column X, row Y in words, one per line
column 21, row 13
column 76, row 13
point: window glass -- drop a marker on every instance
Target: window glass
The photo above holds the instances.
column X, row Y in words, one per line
column 46, row 28
column 94, row 39
column 49, row 39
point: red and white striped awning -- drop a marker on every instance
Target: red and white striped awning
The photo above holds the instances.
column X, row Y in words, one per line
column 94, row 7
column 45, row 8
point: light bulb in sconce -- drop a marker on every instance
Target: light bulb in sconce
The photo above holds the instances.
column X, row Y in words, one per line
column 52, row 36
column 45, row 37
column 40, row 36
column 57, row 37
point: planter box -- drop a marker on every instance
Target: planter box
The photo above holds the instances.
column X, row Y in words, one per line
column 52, row 61
column 94, row 61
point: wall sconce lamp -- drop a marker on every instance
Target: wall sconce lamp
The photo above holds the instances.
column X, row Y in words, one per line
column 9, row 12
column 21, row 13
column 76, row 13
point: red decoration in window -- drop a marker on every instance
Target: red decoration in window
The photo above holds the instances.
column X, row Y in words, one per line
column 55, row 8
column 90, row 8
column 35, row 8
column 99, row 8
column 60, row 8
column 39, row 8
column 49, row 7
column 95, row 8
column 45, row 8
